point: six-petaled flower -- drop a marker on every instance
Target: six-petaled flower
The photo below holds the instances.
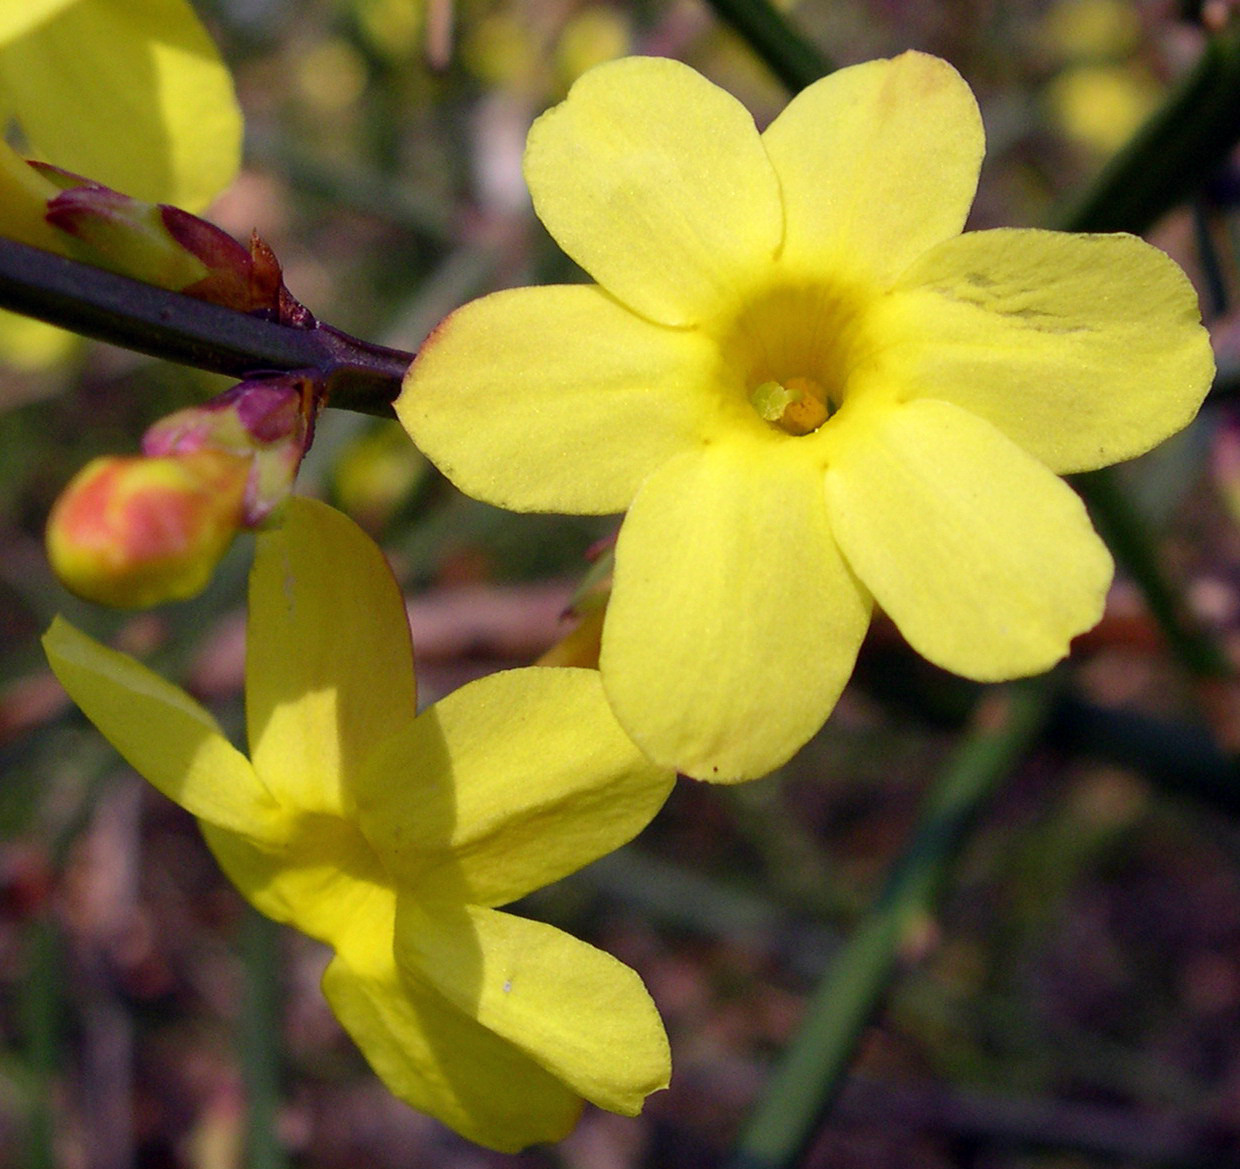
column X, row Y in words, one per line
column 391, row 838
column 808, row 391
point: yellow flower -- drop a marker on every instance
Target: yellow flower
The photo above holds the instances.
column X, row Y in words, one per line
column 809, row 391
column 391, row 838
column 1101, row 104
column 130, row 93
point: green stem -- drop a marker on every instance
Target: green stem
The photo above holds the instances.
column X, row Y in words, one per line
column 40, row 999
column 794, row 59
column 812, row 1072
column 260, row 1041
column 96, row 303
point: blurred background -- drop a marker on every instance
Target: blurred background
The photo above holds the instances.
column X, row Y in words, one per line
column 1075, row 999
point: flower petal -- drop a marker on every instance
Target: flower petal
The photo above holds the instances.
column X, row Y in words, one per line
column 986, row 561
column 316, row 880
column 558, row 398
column 522, row 778
column 18, row 19
column 436, row 1057
column 734, row 622
column 655, row 182
column 581, row 1013
column 1083, row 349
column 329, row 667
column 131, row 95
column 877, row 162
column 165, row 735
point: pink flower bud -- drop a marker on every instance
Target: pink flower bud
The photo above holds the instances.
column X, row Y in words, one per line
column 135, row 532
column 266, row 421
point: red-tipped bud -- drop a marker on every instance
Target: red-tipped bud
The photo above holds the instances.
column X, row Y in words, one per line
column 135, row 532
column 170, row 248
column 251, row 282
column 580, row 646
column 266, row 421
column 124, row 235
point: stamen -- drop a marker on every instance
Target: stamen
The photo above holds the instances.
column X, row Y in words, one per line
column 797, row 405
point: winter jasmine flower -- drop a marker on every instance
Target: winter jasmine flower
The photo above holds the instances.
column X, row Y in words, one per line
column 808, row 392
column 392, row 838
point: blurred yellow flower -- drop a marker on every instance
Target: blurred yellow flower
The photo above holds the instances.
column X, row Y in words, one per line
column 391, row 837
column 809, row 391
column 1102, row 105
column 1090, row 30
column 133, row 95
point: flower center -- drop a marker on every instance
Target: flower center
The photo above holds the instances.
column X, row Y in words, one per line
column 793, row 348
column 798, row 405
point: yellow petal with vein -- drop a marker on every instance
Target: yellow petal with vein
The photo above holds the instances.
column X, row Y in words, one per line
column 1083, row 349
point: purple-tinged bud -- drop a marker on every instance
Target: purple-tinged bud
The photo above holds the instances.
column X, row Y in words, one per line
column 267, row 421
column 249, row 281
column 125, row 235
column 171, row 248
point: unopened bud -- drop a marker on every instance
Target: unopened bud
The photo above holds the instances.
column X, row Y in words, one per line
column 123, row 235
column 249, row 281
column 268, row 422
column 581, row 645
column 168, row 247
column 134, row 532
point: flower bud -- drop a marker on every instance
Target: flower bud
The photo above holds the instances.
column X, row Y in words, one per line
column 249, row 281
column 268, row 422
column 134, row 532
column 581, row 645
column 168, row 247
column 122, row 234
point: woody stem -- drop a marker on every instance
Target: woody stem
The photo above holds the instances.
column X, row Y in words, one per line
column 359, row 375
